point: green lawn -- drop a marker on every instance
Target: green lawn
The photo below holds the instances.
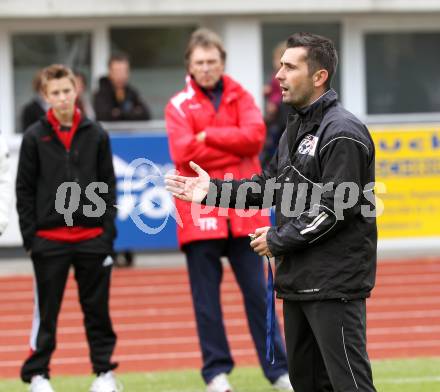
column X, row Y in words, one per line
column 418, row 375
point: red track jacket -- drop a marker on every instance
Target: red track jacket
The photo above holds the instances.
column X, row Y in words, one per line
column 235, row 135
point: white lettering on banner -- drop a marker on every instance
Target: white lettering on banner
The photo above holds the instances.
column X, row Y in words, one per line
column 207, row 224
column 141, row 192
column 156, row 203
column 126, row 204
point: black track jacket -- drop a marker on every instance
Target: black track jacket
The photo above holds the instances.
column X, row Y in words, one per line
column 44, row 164
column 323, row 250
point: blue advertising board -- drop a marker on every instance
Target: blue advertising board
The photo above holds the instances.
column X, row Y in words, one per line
column 145, row 219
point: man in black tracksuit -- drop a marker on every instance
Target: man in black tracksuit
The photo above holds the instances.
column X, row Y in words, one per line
column 67, row 148
column 325, row 236
column 116, row 99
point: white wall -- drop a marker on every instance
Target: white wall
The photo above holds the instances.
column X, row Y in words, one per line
column 87, row 8
column 242, row 39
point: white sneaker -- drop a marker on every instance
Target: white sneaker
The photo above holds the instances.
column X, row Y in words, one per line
column 219, row 383
column 40, row 384
column 282, row 383
column 106, row 382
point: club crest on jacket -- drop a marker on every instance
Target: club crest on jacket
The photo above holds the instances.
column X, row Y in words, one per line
column 308, row 145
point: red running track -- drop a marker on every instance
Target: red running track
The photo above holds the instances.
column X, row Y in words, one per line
column 154, row 320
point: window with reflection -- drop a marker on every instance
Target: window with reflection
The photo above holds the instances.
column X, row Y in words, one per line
column 402, row 72
column 33, row 51
column 156, row 58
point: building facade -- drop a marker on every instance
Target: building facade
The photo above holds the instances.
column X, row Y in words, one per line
column 388, row 73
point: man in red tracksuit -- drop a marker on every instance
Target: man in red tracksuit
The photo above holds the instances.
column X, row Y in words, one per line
column 66, row 151
column 215, row 122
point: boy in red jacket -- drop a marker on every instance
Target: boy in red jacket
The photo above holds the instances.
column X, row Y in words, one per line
column 67, row 150
column 215, row 122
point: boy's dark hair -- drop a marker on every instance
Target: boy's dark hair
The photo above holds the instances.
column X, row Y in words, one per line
column 204, row 38
column 56, row 71
column 321, row 52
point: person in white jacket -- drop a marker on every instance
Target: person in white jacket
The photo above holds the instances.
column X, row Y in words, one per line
column 6, row 185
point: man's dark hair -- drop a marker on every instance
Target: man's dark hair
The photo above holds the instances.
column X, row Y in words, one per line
column 321, row 52
column 118, row 57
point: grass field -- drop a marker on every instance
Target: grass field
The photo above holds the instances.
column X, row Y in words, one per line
column 415, row 375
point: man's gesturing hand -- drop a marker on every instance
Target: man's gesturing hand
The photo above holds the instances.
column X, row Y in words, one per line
column 259, row 244
column 189, row 188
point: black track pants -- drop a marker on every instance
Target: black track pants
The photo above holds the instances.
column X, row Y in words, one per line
column 326, row 346
column 92, row 273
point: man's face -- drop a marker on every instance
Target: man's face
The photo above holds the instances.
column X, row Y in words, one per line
column 206, row 66
column 296, row 82
column 61, row 95
column 119, row 73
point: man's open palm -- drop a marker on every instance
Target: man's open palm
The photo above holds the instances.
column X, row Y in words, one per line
column 189, row 188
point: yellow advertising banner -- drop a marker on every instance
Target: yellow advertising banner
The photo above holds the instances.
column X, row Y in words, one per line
column 408, row 163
